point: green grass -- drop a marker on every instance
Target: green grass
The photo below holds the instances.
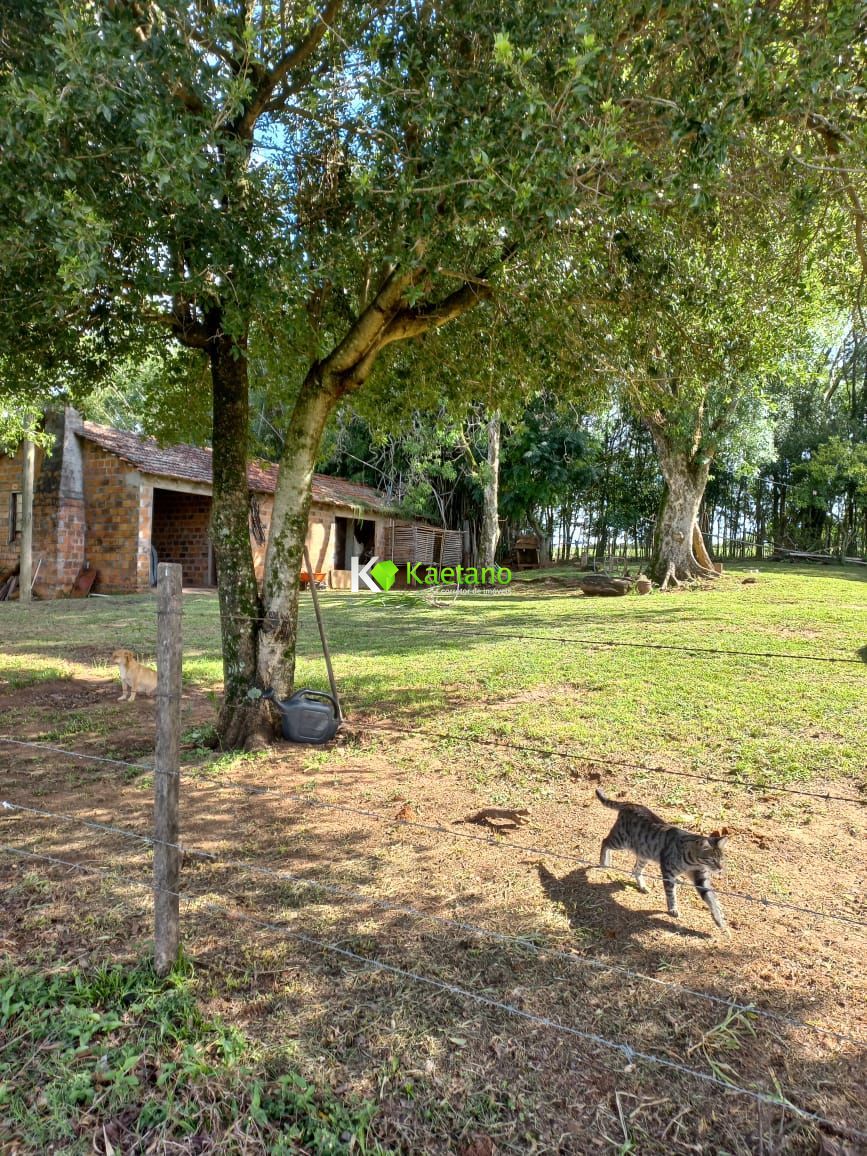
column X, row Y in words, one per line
column 118, row 1053
column 18, row 670
column 508, row 675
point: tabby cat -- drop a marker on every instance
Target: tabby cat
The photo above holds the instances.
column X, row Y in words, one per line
column 677, row 852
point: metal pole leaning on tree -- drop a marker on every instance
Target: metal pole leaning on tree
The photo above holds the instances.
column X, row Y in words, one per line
column 325, row 651
column 167, row 857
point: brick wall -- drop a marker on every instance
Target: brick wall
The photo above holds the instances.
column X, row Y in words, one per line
column 58, row 518
column 112, row 499
column 145, row 524
column 89, row 505
column 10, row 482
column 179, row 532
column 321, row 535
column 266, row 508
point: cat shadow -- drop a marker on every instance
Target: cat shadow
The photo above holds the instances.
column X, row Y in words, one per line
column 587, row 896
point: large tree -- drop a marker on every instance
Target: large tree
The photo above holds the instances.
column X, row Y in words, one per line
column 696, row 328
column 360, row 174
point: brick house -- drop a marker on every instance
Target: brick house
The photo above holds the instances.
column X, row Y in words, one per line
column 119, row 503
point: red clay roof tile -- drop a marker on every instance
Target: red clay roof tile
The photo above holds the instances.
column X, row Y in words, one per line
column 193, row 464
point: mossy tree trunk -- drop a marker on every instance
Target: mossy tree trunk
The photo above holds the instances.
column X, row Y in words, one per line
column 284, row 560
column 271, row 647
column 240, row 607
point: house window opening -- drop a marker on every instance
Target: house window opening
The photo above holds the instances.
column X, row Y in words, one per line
column 353, row 538
column 15, row 509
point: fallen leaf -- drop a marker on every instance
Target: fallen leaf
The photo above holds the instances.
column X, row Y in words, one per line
column 406, row 814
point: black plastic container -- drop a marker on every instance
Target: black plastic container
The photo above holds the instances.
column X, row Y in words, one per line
column 309, row 716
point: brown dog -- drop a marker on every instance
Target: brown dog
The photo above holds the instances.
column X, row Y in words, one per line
column 133, row 676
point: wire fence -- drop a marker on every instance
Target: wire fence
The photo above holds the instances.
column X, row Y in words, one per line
column 491, row 839
column 628, row 1052
column 497, row 742
column 320, row 885
column 167, row 853
column 394, row 627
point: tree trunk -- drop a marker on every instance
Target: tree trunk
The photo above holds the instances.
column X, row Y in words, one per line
column 284, row 558
column 535, row 525
column 25, row 573
column 230, row 534
column 674, row 545
column 490, row 509
column 760, row 518
column 699, row 549
column 265, row 658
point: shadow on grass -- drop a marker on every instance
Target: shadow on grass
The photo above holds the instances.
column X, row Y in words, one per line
column 589, row 901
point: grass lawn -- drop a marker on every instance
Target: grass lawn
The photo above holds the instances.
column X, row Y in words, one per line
column 504, row 673
column 259, row 1043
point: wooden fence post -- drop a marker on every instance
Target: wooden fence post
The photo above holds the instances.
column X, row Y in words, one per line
column 167, row 859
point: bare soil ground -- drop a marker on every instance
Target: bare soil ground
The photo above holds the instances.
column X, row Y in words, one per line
column 450, row 1074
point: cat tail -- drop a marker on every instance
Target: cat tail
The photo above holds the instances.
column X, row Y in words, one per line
column 606, row 802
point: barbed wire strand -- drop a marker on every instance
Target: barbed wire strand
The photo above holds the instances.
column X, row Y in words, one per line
column 581, row 756
column 489, row 840
column 391, row 627
column 525, row 748
column 630, row 1054
column 446, row 921
column 75, row 754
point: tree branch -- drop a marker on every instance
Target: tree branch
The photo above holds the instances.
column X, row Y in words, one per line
column 368, row 329
column 187, row 97
column 183, row 324
column 833, row 138
column 288, row 63
column 413, row 322
column 291, row 61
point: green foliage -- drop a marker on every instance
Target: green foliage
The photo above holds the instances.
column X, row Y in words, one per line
column 836, row 467
column 166, row 394
column 548, row 460
column 147, row 181
column 87, row 1049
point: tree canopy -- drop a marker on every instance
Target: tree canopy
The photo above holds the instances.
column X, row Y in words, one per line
column 355, row 176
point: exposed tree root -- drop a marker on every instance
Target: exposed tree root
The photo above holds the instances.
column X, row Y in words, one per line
column 670, row 578
column 675, row 575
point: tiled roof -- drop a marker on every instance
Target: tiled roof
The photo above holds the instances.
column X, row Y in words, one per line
column 193, row 464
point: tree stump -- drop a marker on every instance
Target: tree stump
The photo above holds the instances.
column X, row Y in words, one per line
column 643, row 585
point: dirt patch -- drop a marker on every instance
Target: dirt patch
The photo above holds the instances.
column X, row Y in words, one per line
column 450, row 1074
